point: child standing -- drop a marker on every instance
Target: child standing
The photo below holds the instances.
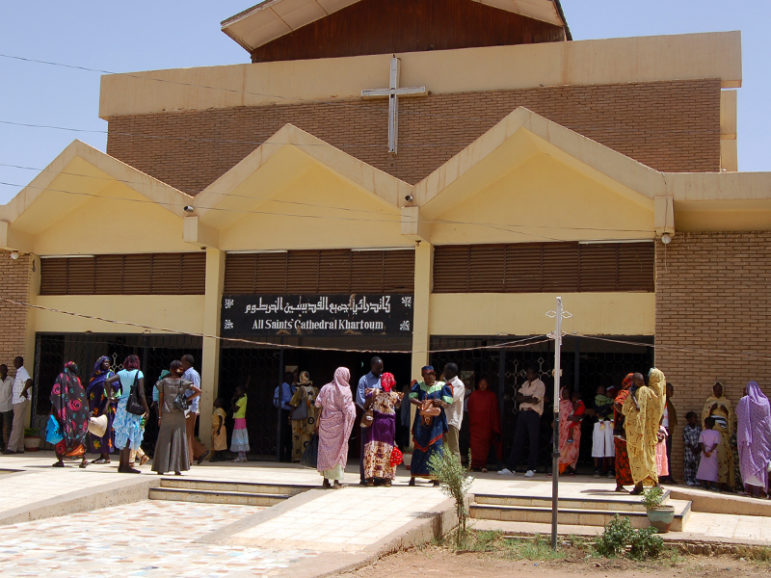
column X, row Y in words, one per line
column 219, row 433
column 603, row 450
column 239, row 444
column 691, row 433
column 708, row 465
column 662, row 462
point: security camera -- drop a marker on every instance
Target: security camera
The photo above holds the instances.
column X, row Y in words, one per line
column 666, row 238
column 189, row 208
column 409, row 198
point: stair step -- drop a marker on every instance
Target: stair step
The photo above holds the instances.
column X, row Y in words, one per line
column 217, row 497
column 573, row 516
column 233, row 486
column 626, row 504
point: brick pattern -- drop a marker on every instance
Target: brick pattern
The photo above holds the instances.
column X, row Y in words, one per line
column 713, row 307
column 14, row 284
column 671, row 126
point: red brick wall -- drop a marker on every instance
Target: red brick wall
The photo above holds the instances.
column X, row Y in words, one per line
column 671, row 126
column 14, row 284
column 713, row 318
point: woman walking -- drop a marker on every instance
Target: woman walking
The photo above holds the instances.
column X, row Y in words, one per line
column 99, row 404
column 753, row 414
column 623, row 470
column 171, row 449
column 69, row 408
column 128, row 426
column 570, row 431
column 431, row 397
column 303, row 415
column 379, row 438
column 334, row 426
column 484, row 425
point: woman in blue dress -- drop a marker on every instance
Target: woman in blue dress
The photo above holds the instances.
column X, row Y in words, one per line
column 128, row 426
column 431, row 397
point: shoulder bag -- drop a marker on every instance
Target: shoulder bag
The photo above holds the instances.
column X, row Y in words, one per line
column 180, row 400
column 133, row 405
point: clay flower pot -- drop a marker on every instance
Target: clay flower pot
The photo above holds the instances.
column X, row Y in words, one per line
column 661, row 518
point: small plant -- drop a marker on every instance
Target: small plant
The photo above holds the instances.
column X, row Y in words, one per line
column 619, row 537
column 455, row 481
column 31, row 432
column 646, row 544
column 615, row 539
column 653, row 498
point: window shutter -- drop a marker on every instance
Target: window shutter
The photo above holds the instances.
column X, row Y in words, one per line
column 53, row 276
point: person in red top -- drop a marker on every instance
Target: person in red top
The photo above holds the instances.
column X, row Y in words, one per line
column 484, row 425
column 572, row 411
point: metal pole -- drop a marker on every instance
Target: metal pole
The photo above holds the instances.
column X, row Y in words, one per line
column 556, row 436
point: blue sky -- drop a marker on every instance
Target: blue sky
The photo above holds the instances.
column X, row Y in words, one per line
column 146, row 35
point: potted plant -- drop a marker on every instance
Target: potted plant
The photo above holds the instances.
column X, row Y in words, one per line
column 660, row 515
column 32, row 439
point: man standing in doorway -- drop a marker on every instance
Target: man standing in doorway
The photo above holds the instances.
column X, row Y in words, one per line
column 196, row 450
column 6, row 403
column 455, row 411
column 21, row 386
column 369, row 381
column 530, row 399
column 282, row 395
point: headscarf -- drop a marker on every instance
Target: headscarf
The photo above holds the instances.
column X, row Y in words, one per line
column 68, row 402
column 628, row 381
column 426, row 368
column 754, row 422
column 342, row 378
column 387, row 381
column 305, row 378
column 98, row 375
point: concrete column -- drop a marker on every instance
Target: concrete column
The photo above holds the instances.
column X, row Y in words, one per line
column 421, row 330
column 210, row 362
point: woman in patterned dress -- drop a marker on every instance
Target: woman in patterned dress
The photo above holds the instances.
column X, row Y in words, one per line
column 99, row 404
column 303, row 415
column 379, row 437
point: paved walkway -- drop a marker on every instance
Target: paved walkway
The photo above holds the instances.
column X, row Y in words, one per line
column 313, row 533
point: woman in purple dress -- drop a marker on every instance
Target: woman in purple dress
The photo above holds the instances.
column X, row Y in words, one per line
column 379, row 437
column 100, row 404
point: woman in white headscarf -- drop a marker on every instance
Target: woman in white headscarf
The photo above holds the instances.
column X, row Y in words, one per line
column 335, row 424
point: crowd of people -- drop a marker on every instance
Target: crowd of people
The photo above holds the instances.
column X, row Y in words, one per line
column 631, row 425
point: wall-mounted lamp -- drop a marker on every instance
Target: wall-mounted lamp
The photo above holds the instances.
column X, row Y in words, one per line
column 189, row 208
column 14, row 255
column 666, row 238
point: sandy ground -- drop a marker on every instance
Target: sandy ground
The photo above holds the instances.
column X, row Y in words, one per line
column 437, row 561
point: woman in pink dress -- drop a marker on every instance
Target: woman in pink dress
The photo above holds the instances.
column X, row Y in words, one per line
column 334, row 426
column 708, row 465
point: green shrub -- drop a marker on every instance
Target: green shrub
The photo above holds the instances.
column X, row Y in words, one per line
column 652, row 498
column 619, row 537
column 455, row 481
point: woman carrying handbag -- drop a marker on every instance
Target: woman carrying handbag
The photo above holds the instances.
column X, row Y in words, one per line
column 132, row 407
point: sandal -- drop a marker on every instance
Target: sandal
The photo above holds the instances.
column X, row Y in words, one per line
column 101, row 461
column 144, row 460
column 326, row 485
column 57, row 465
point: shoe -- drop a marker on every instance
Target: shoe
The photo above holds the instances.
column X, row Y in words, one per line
column 690, row 483
column 505, row 472
column 203, row 455
column 530, row 473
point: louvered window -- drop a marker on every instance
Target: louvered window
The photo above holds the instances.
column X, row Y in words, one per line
column 544, row 268
column 313, row 272
column 140, row 274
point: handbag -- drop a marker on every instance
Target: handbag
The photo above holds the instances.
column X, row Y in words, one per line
column 53, row 431
column 133, row 405
column 428, row 411
column 310, row 456
column 396, row 457
column 367, row 418
column 97, row 426
column 180, row 401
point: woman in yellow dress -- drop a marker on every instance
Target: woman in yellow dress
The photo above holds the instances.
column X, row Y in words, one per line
column 643, row 410
column 721, row 410
column 303, row 415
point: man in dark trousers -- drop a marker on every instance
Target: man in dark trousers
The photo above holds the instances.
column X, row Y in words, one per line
column 530, row 399
column 281, row 397
column 368, row 381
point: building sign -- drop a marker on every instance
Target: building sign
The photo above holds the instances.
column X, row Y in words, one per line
column 326, row 315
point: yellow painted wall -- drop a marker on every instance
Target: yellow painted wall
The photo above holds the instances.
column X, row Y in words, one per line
column 524, row 313
column 543, row 200
column 587, row 62
column 316, row 210
column 182, row 313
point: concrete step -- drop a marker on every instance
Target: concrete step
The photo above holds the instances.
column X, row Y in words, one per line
column 579, row 516
column 217, row 497
column 627, row 503
column 233, row 486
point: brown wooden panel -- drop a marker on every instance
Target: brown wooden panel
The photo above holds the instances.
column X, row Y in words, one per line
column 366, row 271
column 399, row 271
column 137, row 274
column 636, row 267
column 271, row 273
column 53, row 276
column 393, row 26
column 335, row 271
column 523, row 268
column 80, row 276
column 599, row 267
column 302, row 274
column 240, row 274
column 487, row 268
column 166, row 274
column 109, row 275
column 193, row 274
column 451, row 269
column 560, row 267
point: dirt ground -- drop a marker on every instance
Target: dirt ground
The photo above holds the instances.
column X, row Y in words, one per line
column 440, row 561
